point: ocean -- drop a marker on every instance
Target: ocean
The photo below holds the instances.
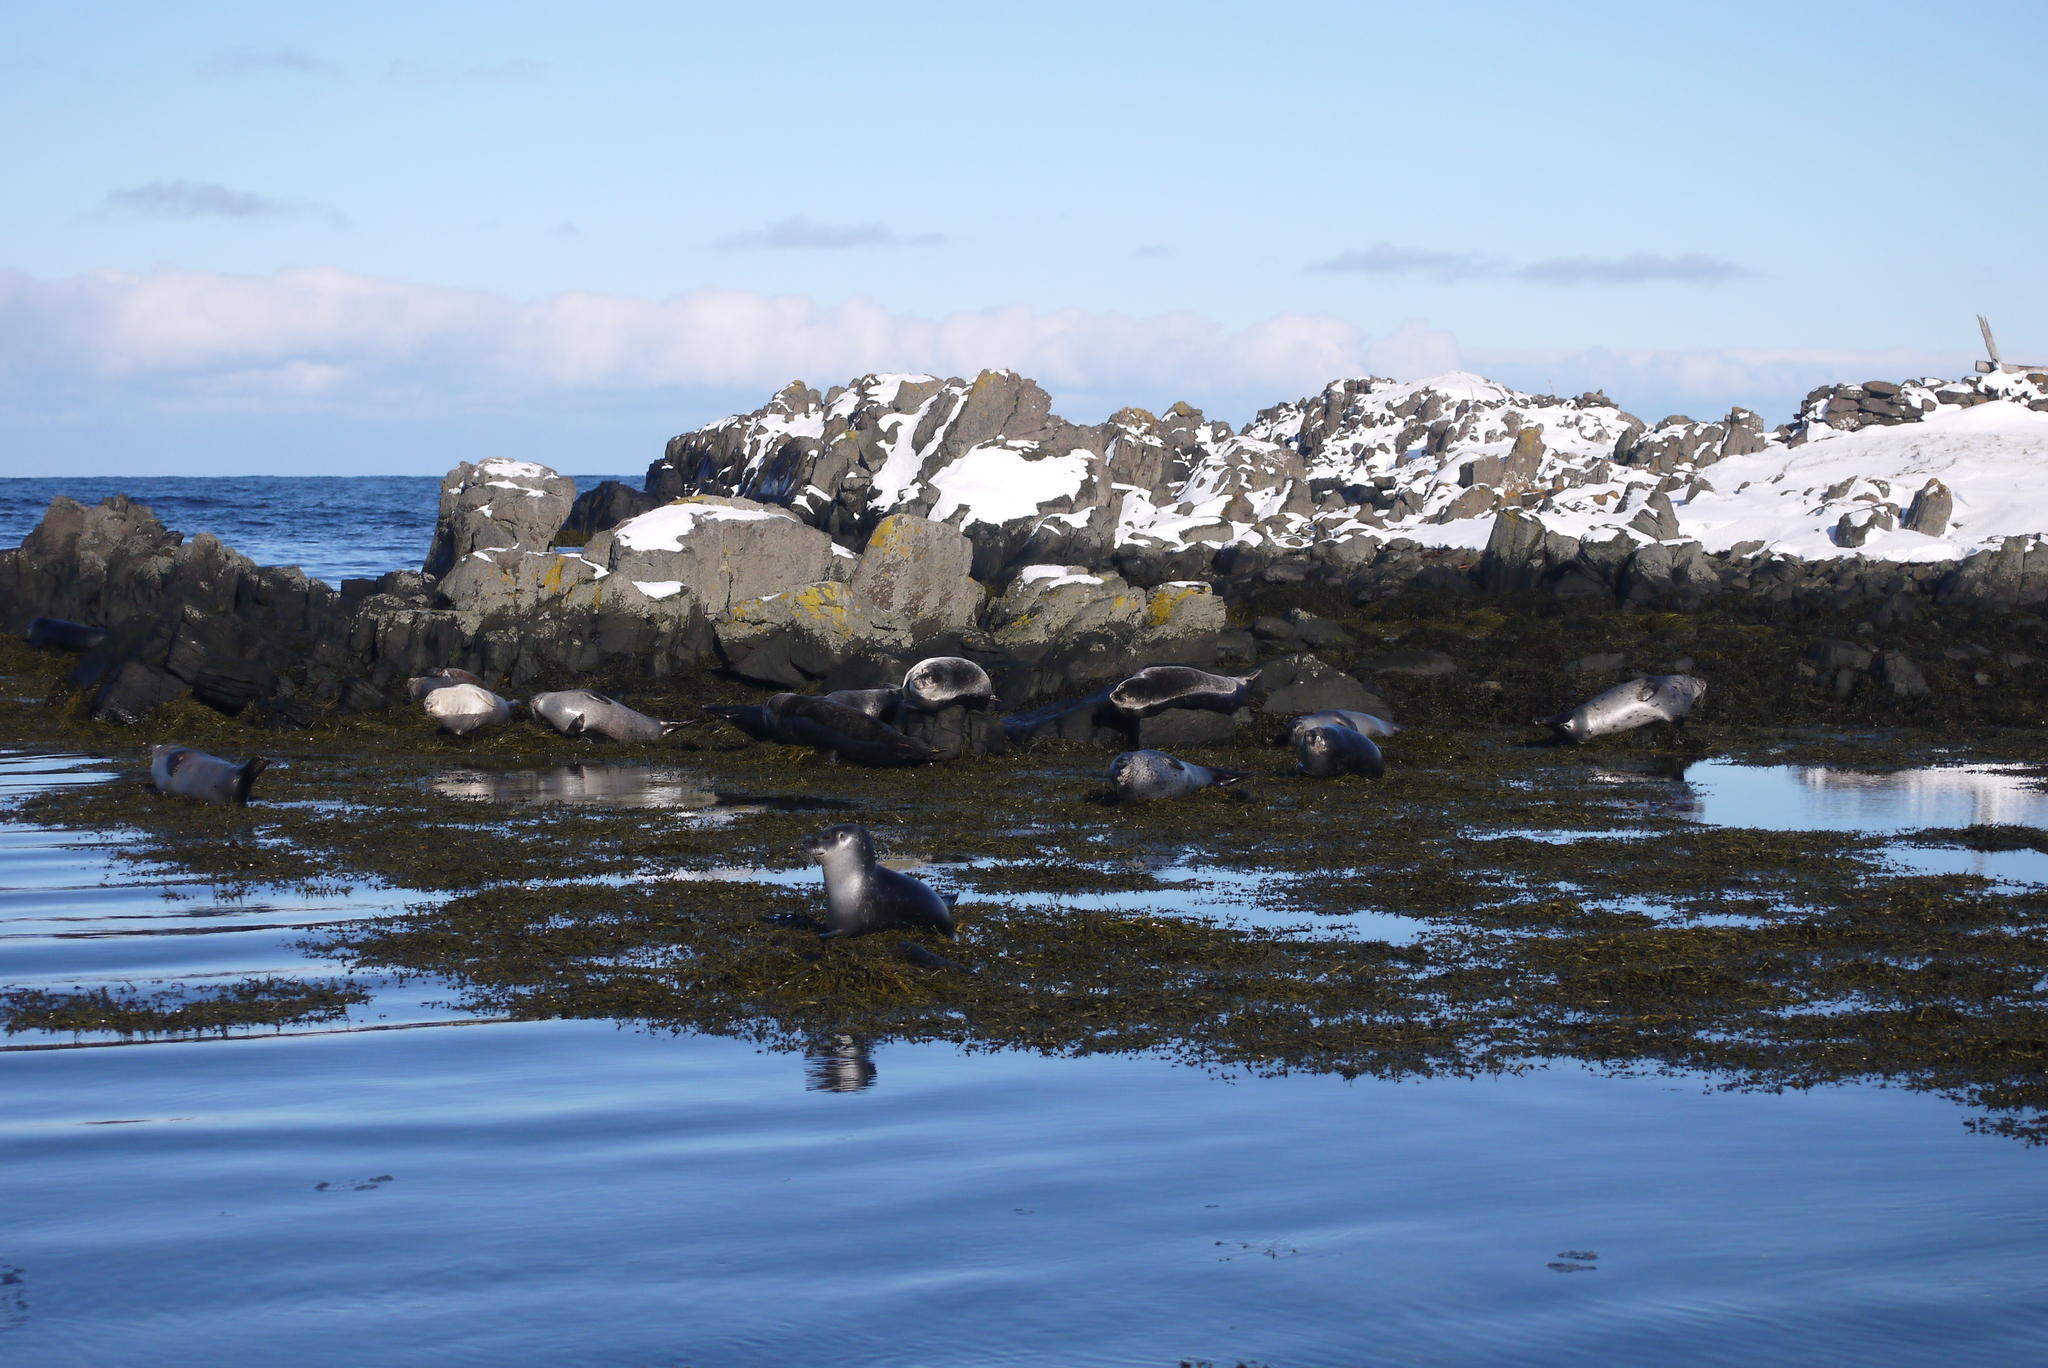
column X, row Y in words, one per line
column 332, row 527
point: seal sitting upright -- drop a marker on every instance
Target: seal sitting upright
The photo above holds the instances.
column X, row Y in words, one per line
column 863, row 896
column 1654, row 698
column 1156, row 688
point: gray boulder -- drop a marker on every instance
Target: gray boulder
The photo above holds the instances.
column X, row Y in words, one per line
column 722, row 551
column 496, row 504
column 1931, row 509
column 916, row 569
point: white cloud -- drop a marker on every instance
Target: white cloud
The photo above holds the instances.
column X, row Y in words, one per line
column 802, row 235
column 1640, row 268
column 322, row 340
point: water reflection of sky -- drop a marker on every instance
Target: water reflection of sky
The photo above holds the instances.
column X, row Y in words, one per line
column 1823, row 798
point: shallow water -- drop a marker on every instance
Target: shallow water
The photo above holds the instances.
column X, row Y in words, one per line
column 579, row 1192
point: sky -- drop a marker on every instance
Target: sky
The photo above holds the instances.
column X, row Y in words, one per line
column 376, row 238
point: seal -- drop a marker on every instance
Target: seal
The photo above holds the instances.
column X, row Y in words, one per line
column 799, row 720
column 1156, row 688
column 189, row 773
column 942, row 681
column 1652, row 698
column 751, row 718
column 862, row 896
column 579, row 712
column 880, row 704
column 1324, row 752
column 463, row 708
column 1148, row 776
column 1362, row 722
column 419, row 686
column 57, row 634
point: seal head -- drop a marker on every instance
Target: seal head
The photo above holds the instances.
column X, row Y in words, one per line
column 1324, row 752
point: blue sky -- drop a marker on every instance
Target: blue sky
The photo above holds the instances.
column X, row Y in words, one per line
column 386, row 237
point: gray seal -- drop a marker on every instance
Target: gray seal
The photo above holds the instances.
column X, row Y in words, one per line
column 189, row 773
column 1325, row 752
column 58, row 634
column 1156, row 688
column 751, row 718
column 799, row 720
column 579, row 712
column 940, row 682
column 1144, row 776
column 1653, row 698
column 880, row 704
column 464, row 708
column 862, row 896
column 1362, row 722
column 419, row 686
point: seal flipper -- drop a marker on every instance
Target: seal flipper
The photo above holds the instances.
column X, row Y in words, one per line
column 1221, row 777
column 245, row 778
column 667, row 727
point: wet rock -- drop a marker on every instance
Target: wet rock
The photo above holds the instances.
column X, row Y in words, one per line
column 1897, row 672
column 1316, row 632
column 1422, row 663
column 955, row 731
column 1305, row 683
column 1828, row 654
column 498, row 504
column 1181, row 727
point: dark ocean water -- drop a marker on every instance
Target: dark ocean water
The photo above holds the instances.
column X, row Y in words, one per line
column 332, row 527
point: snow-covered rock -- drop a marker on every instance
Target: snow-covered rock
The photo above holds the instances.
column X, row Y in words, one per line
column 1330, row 480
column 496, row 504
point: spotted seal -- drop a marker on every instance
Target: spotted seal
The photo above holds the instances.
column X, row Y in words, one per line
column 59, row 634
column 1653, row 698
column 1156, row 688
column 1150, row 775
column 1362, row 722
column 464, row 708
column 1324, row 752
column 799, row 720
column 862, row 896
column 942, row 681
column 579, row 712
column 189, row 773
column 419, row 686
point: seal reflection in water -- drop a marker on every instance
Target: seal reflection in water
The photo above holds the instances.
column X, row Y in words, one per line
column 1156, row 688
column 862, row 896
column 1655, row 698
column 840, row 1066
column 1324, row 752
column 1144, row 776
column 189, row 773
column 579, row 712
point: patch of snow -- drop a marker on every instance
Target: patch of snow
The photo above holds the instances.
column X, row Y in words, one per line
column 664, row 528
column 659, row 589
column 996, row 484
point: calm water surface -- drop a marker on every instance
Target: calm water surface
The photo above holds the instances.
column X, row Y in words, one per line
column 414, row 1186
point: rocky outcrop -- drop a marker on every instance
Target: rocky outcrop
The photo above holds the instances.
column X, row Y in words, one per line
column 495, row 505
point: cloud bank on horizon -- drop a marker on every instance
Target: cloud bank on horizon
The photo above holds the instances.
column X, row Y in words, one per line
column 323, row 340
